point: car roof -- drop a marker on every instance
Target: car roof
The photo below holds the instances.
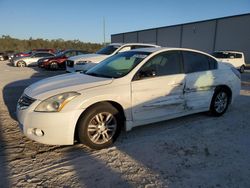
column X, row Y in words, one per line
column 162, row 49
column 138, row 44
column 39, row 52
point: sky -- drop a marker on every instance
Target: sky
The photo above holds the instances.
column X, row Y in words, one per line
column 83, row 19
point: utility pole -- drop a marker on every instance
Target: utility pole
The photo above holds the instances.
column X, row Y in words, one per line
column 104, row 40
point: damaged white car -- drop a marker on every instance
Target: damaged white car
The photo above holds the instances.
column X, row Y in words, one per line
column 129, row 89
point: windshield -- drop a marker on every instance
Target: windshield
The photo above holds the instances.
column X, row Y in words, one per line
column 118, row 65
column 108, row 49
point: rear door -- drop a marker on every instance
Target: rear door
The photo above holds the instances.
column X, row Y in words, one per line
column 33, row 59
column 200, row 80
column 157, row 88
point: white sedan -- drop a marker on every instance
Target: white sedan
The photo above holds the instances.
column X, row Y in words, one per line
column 30, row 60
column 87, row 61
column 129, row 89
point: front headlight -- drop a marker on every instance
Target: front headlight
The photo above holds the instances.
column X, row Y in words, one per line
column 44, row 60
column 56, row 103
column 83, row 62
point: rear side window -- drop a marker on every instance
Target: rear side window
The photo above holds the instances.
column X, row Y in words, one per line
column 42, row 55
column 47, row 54
column 238, row 55
column 221, row 55
column 70, row 53
column 195, row 62
column 227, row 55
column 212, row 63
column 80, row 52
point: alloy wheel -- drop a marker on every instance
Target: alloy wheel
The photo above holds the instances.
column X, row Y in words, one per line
column 221, row 102
column 21, row 64
column 102, row 127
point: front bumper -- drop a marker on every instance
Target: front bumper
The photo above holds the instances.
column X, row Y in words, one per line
column 58, row 128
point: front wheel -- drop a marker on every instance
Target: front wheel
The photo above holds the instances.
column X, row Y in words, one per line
column 21, row 64
column 220, row 102
column 54, row 66
column 99, row 126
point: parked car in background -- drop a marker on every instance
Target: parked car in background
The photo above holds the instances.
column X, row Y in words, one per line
column 10, row 54
column 22, row 54
column 129, row 89
column 3, row 56
column 28, row 53
column 58, row 62
column 85, row 62
column 31, row 60
column 236, row 59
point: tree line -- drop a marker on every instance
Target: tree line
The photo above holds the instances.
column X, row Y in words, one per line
column 8, row 43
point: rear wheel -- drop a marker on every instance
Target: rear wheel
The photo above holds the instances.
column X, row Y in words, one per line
column 242, row 69
column 54, row 66
column 100, row 125
column 21, row 64
column 220, row 102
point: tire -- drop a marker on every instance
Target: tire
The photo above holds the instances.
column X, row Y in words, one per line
column 220, row 102
column 99, row 126
column 21, row 64
column 54, row 66
column 242, row 69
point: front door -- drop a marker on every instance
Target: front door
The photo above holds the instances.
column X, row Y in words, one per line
column 157, row 88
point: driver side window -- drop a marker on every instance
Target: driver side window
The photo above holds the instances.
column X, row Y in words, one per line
column 166, row 63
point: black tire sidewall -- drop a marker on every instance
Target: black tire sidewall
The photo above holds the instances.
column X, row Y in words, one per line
column 212, row 106
column 242, row 69
column 88, row 115
column 52, row 67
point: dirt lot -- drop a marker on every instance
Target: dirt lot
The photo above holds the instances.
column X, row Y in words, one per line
column 194, row 151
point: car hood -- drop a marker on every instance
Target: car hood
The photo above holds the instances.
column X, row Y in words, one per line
column 89, row 57
column 64, row 83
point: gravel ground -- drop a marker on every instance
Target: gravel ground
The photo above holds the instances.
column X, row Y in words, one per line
column 193, row 151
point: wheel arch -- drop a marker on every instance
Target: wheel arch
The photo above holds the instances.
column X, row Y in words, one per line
column 113, row 103
column 227, row 88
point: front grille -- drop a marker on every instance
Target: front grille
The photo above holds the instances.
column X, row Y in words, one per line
column 25, row 101
column 70, row 63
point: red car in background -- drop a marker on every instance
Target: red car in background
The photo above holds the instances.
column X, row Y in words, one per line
column 58, row 62
column 23, row 54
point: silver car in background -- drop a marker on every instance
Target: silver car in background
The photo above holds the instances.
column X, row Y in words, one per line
column 30, row 60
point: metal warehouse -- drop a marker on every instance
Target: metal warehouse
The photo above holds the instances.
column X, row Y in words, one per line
column 227, row 33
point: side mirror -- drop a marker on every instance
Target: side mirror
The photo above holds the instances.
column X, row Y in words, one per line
column 145, row 74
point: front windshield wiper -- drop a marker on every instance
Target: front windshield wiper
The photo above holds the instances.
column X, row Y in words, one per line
column 97, row 75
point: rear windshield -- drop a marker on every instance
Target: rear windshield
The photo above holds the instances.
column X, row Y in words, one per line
column 108, row 49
